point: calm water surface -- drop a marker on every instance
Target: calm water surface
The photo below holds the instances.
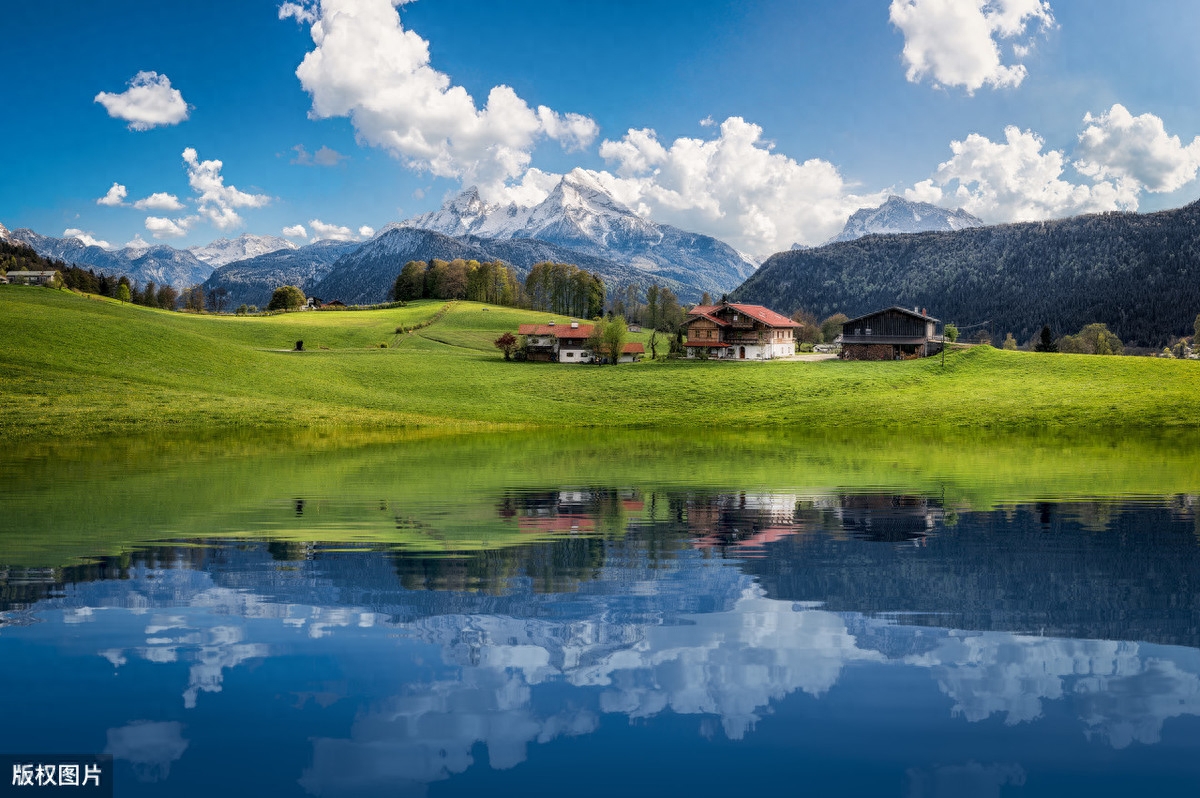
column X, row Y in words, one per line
column 633, row 615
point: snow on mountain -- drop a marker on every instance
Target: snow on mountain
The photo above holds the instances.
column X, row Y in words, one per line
column 899, row 215
column 162, row 263
column 224, row 251
column 251, row 281
column 581, row 216
column 4, row 234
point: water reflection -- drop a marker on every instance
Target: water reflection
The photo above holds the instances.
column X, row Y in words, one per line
column 758, row 617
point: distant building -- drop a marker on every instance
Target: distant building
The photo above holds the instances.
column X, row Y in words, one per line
column 894, row 333
column 31, row 278
column 741, row 332
column 553, row 342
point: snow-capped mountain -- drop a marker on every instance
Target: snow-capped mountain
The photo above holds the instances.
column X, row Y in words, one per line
column 247, row 245
column 4, row 234
column 367, row 273
column 579, row 214
column 899, row 215
column 252, row 280
column 161, row 263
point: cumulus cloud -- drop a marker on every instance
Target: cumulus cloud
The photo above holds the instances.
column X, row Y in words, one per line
column 148, row 102
column 115, row 196
column 321, row 230
column 137, row 242
column 161, row 227
column 86, row 238
column 366, row 231
column 732, row 186
column 217, row 201
column 325, row 156
column 1014, row 180
column 1136, row 150
column 295, row 231
column 957, row 42
column 159, row 201
column 367, row 67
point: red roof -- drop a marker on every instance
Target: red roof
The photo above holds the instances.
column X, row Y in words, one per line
column 633, row 349
column 694, row 312
column 757, row 312
column 583, row 331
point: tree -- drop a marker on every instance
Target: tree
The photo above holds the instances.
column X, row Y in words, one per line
column 243, row 309
column 1010, row 343
column 193, row 298
column 615, row 333
column 410, row 283
column 167, row 297
column 123, row 292
column 1196, row 330
column 653, row 344
column 951, row 333
column 1100, row 341
column 148, row 296
column 507, row 344
column 809, row 331
column 217, row 298
column 705, row 298
column 832, row 327
column 286, row 297
column 1046, row 342
column 595, row 341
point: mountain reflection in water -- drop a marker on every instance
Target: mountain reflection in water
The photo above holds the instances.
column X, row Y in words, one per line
column 734, row 624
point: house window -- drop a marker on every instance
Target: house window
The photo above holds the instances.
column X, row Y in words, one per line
column 570, row 354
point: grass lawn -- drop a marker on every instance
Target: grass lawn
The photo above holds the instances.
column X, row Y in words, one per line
column 74, row 366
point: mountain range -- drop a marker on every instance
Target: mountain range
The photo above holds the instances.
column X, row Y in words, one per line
column 580, row 215
column 578, row 222
column 1137, row 273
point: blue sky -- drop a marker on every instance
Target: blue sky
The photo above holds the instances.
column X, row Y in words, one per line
column 763, row 123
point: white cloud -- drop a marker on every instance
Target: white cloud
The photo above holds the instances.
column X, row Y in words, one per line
column 1015, row 180
column 367, row 67
column 955, row 42
column 159, row 201
column 366, row 231
column 161, row 227
column 86, row 238
column 1135, row 149
column 148, row 102
column 137, row 242
column 305, row 12
column 732, row 187
column 325, row 156
column 216, row 200
column 924, row 191
column 575, row 132
column 295, row 231
column 115, row 196
column 334, row 232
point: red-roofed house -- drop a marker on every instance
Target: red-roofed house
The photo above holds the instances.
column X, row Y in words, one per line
column 553, row 342
column 737, row 331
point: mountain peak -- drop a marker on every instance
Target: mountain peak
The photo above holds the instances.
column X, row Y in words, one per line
column 247, row 245
column 898, row 215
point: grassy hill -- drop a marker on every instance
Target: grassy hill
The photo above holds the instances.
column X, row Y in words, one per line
column 74, row 366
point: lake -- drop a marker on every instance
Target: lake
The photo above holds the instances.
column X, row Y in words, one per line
column 600, row 613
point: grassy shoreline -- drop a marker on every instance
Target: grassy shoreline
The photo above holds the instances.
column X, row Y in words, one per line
column 74, row 367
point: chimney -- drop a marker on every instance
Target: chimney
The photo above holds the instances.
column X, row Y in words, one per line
column 924, row 312
column 574, row 325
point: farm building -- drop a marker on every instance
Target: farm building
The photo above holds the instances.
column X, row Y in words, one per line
column 894, row 333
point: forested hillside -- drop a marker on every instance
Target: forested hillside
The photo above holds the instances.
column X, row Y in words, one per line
column 1137, row 273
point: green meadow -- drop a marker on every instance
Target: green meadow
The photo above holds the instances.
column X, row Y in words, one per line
column 76, row 367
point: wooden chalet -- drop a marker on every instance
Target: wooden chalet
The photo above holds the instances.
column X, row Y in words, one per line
column 557, row 343
column 894, row 333
column 739, row 332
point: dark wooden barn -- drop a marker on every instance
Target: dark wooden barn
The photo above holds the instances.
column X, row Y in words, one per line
column 894, row 333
